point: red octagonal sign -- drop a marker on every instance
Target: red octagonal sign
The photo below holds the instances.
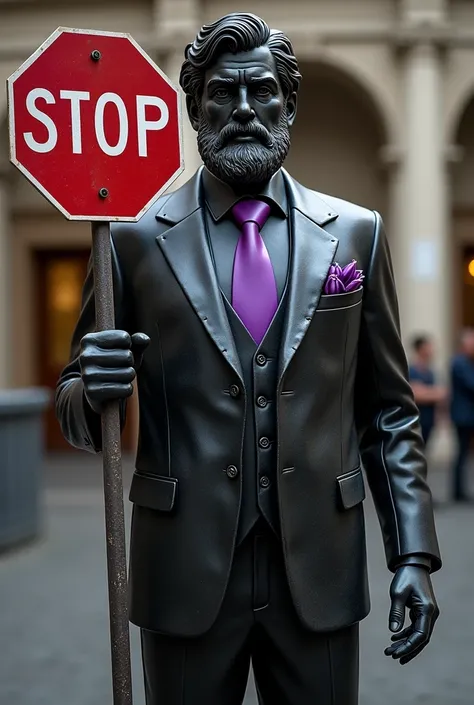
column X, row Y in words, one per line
column 95, row 125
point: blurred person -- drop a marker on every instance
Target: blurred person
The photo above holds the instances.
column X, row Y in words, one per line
column 428, row 394
column 462, row 410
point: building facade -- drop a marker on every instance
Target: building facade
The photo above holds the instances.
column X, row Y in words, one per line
column 385, row 119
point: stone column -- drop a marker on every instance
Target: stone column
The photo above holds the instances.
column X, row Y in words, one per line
column 392, row 159
column 176, row 24
column 423, row 251
column 5, row 285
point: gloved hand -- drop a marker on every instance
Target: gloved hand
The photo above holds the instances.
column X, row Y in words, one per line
column 411, row 588
column 108, row 362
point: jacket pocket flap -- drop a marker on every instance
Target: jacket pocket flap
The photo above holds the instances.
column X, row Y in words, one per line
column 351, row 488
column 153, row 491
column 344, row 300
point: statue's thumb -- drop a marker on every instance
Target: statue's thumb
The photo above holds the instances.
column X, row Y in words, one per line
column 140, row 343
column 396, row 617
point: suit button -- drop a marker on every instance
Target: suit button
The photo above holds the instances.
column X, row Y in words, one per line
column 264, row 481
column 262, row 402
column 232, row 472
column 261, row 359
column 264, row 442
column 234, row 390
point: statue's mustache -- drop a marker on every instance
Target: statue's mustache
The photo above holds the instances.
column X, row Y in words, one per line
column 243, row 162
column 251, row 129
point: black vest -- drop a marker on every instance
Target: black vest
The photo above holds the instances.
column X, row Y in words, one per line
column 259, row 466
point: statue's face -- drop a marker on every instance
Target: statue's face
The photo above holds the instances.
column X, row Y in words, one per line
column 244, row 118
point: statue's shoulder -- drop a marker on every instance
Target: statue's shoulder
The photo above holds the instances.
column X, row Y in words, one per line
column 347, row 209
column 324, row 206
column 145, row 228
column 167, row 210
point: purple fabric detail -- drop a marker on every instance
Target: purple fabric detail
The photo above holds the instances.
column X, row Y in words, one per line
column 254, row 289
column 342, row 280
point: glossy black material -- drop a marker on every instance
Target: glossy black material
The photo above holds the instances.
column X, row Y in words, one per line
column 257, row 460
column 411, row 585
column 256, row 618
column 348, row 402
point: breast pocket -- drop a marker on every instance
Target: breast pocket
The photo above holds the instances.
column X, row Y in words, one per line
column 335, row 330
column 338, row 302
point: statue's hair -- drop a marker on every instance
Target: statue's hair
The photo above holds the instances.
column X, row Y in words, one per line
column 236, row 32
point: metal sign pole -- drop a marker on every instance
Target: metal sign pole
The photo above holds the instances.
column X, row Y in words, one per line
column 113, row 485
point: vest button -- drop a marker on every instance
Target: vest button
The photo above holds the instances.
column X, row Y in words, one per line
column 262, row 402
column 234, row 390
column 264, row 481
column 264, row 442
column 261, row 359
column 232, row 472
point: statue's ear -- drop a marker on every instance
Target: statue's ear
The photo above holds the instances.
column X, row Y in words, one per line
column 291, row 105
column 193, row 111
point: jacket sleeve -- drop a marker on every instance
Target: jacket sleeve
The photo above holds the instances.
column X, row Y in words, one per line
column 390, row 440
column 80, row 425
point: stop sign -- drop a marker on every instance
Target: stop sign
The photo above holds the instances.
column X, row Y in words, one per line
column 95, row 125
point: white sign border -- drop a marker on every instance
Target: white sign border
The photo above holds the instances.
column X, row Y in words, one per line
column 12, row 135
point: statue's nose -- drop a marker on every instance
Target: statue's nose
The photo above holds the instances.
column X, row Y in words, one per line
column 243, row 111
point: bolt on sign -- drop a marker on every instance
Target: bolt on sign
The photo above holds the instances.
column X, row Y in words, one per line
column 95, row 125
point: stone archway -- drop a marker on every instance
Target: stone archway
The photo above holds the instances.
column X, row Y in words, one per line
column 338, row 137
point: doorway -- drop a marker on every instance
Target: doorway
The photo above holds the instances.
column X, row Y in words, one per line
column 467, row 309
column 59, row 277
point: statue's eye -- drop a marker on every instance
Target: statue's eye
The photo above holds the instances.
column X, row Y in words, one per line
column 221, row 93
column 263, row 92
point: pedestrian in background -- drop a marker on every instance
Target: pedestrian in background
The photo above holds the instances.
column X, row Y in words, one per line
column 428, row 394
column 462, row 410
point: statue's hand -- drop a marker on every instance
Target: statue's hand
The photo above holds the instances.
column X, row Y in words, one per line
column 411, row 588
column 108, row 362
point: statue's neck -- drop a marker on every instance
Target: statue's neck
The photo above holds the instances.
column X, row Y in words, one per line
column 248, row 189
column 242, row 189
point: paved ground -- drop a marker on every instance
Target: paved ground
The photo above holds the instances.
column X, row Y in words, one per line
column 53, row 615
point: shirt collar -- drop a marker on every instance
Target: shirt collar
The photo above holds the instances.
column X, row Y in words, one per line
column 220, row 197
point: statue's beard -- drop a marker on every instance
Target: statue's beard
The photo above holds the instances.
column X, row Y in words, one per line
column 244, row 164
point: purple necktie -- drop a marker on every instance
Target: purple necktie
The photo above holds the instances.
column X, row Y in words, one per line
column 254, row 290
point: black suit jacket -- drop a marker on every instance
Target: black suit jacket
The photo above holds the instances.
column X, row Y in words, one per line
column 343, row 400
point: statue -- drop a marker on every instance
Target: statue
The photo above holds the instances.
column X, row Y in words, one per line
column 260, row 319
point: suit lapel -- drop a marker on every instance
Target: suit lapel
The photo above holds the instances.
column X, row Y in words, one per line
column 186, row 250
column 185, row 247
column 313, row 250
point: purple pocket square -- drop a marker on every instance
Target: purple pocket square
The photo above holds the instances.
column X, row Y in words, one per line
column 342, row 280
